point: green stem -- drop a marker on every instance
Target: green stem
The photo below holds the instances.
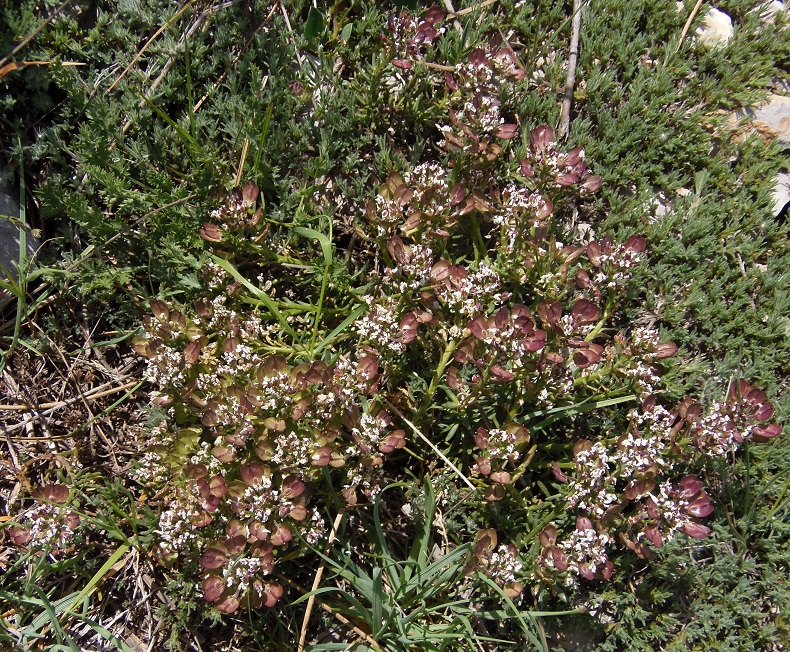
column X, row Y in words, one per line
column 437, row 375
column 780, row 498
column 324, row 283
column 595, row 332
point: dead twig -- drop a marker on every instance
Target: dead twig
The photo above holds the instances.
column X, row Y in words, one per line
column 14, row 65
column 319, row 574
column 236, row 59
column 35, row 32
column 291, row 32
column 570, row 80
column 469, row 10
column 452, row 13
column 55, row 405
column 687, row 26
column 345, row 621
column 444, row 458
column 240, row 171
column 156, row 35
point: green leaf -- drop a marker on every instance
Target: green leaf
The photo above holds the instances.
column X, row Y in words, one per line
column 345, row 33
column 314, row 27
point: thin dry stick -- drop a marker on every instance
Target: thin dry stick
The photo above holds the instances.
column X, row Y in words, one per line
column 15, row 65
column 469, row 10
column 149, row 91
column 317, row 580
column 432, row 445
column 90, row 251
column 37, row 415
column 36, row 31
column 47, row 412
column 451, row 11
column 688, row 24
column 291, row 32
column 186, row 35
column 570, row 80
column 178, row 15
column 329, row 609
column 240, row 171
column 99, row 429
column 92, row 395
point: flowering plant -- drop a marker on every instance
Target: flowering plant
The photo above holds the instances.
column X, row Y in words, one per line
column 487, row 313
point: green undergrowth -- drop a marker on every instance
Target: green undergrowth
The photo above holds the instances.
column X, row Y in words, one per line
column 123, row 175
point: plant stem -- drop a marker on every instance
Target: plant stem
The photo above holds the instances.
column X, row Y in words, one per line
column 437, row 376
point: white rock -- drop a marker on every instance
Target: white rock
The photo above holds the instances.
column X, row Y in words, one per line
column 775, row 116
column 768, row 11
column 781, row 192
column 716, row 29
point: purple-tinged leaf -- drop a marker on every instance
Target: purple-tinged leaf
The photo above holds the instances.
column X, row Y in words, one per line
column 213, row 558
column 213, row 587
column 585, row 311
column 210, row 232
column 594, row 253
column 653, row 534
column 696, row 530
column 506, row 131
column 666, row 350
column 227, row 604
column 540, row 138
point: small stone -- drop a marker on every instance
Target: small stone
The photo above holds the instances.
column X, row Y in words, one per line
column 716, row 29
column 781, row 193
column 768, row 10
column 775, row 116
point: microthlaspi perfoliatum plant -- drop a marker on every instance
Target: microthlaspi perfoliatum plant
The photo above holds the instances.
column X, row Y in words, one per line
column 484, row 322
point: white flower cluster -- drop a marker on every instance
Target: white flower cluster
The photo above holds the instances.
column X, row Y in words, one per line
column 504, row 566
column 670, row 509
column 214, row 276
column 389, row 215
column 416, row 272
column 501, row 447
column 370, row 480
column 648, row 445
column 483, row 112
column 466, row 296
column 592, row 491
column 47, row 526
column 368, row 433
column 239, row 361
column 275, row 393
column 241, row 572
column 260, row 502
column 717, row 433
column 175, row 531
column 616, row 267
column 518, row 214
column 381, row 326
column 166, row 368
column 585, row 551
column 430, row 196
column 232, row 214
column 292, row 449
